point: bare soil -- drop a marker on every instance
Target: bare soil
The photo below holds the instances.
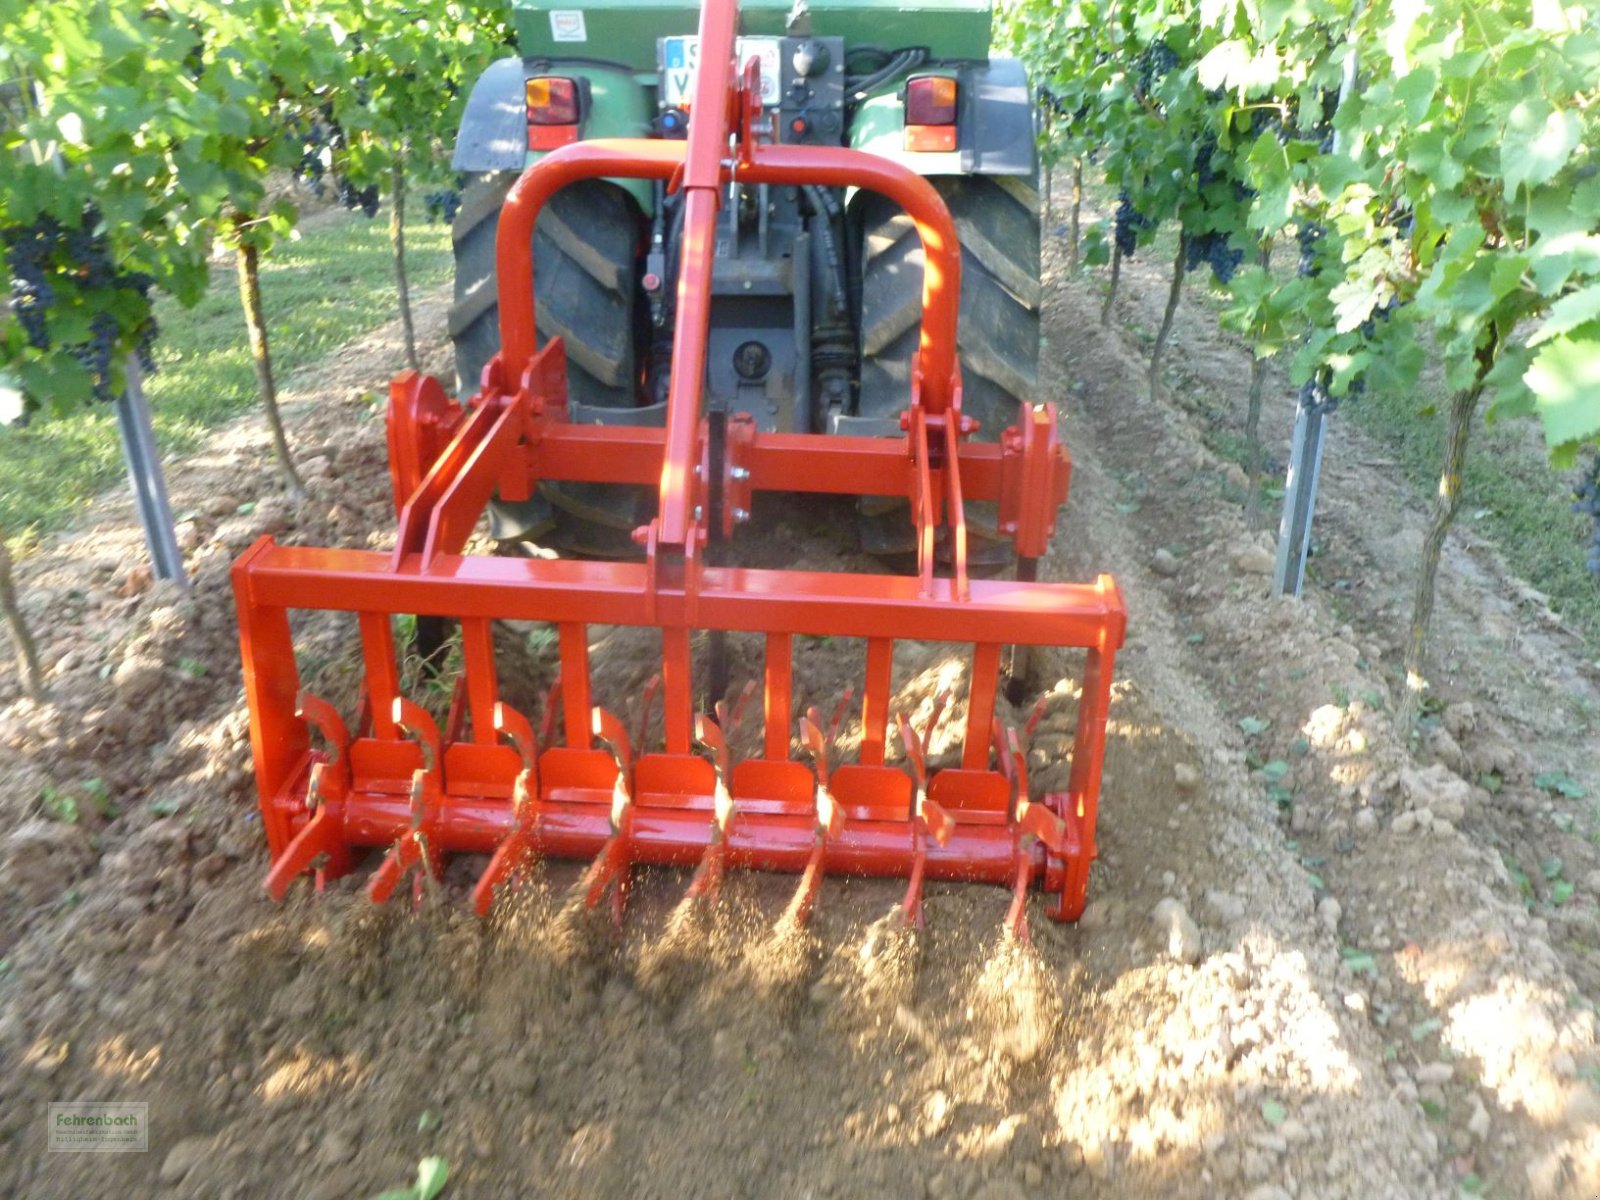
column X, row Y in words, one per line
column 1319, row 961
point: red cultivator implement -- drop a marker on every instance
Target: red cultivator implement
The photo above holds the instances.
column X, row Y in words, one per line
column 485, row 783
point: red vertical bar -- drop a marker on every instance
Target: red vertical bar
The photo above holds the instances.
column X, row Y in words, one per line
column 278, row 740
column 702, row 188
column 383, row 678
column 780, row 694
column 1089, row 746
column 875, row 700
column 980, row 705
column 574, row 638
column 675, row 688
column 483, row 686
column 1088, row 754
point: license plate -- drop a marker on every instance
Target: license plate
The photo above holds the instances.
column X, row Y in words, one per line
column 680, row 58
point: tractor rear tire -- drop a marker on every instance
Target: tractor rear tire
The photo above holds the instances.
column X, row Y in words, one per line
column 997, row 221
column 586, row 263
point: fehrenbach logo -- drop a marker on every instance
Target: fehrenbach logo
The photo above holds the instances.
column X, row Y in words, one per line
column 99, row 1128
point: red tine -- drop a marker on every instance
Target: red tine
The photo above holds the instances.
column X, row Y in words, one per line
column 709, row 734
column 932, row 814
column 1016, row 924
column 839, row 711
column 552, row 710
column 739, row 707
column 515, row 728
column 455, row 722
column 812, row 737
column 642, row 739
column 1035, row 717
column 911, row 906
column 609, row 729
column 416, row 721
column 939, row 703
column 327, row 721
column 1019, row 764
column 1002, row 732
column 1035, row 818
column 914, row 750
column 805, row 896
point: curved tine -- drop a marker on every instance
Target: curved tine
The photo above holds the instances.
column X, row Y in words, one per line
column 552, row 709
column 940, row 700
column 839, row 711
column 1020, row 762
column 325, row 719
column 419, row 723
column 811, row 737
column 1002, row 732
column 739, row 706
column 610, row 730
column 642, row 739
column 708, row 733
column 514, row 727
column 914, row 751
column 1035, row 717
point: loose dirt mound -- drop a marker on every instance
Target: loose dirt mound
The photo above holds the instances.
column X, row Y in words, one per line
column 1332, row 1000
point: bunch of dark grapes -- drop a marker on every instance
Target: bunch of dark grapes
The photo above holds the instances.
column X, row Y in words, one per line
column 29, row 253
column 1586, row 500
column 443, row 205
column 1369, row 327
column 1127, row 224
column 1204, row 172
column 319, row 141
column 364, row 199
column 1309, row 237
column 1155, row 63
column 45, row 255
column 1213, row 250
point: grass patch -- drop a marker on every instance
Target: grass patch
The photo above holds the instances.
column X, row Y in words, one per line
column 332, row 285
column 1509, row 494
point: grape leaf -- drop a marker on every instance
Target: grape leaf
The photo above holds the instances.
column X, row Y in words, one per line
column 1538, row 143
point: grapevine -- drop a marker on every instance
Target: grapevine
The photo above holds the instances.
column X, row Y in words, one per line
column 1128, row 224
column 49, row 261
column 1586, row 502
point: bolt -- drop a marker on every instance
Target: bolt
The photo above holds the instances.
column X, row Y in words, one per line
column 698, row 512
column 741, row 515
column 740, row 474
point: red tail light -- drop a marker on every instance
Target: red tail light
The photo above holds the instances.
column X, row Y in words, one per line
column 553, row 105
column 931, row 113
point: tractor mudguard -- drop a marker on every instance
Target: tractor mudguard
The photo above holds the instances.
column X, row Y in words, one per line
column 494, row 128
column 996, row 124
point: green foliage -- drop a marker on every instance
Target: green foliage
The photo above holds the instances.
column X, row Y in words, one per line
column 147, row 127
column 155, row 128
column 332, row 283
column 408, row 70
column 1461, row 195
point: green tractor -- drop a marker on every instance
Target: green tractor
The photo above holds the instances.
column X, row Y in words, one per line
column 817, row 291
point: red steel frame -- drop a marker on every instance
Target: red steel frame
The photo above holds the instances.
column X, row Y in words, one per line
column 485, row 784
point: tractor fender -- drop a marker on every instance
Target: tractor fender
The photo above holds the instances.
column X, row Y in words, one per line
column 996, row 134
column 494, row 128
column 493, row 135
